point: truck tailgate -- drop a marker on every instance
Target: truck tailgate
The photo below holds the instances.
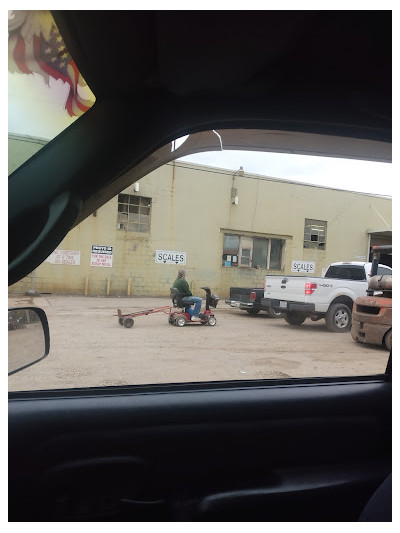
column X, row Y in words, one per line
column 290, row 288
column 241, row 294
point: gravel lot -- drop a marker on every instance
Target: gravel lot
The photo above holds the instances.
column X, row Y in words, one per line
column 89, row 348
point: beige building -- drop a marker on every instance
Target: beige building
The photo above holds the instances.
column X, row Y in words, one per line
column 224, row 228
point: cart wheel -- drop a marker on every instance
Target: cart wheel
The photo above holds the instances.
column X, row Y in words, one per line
column 121, row 321
column 128, row 322
column 211, row 320
column 180, row 321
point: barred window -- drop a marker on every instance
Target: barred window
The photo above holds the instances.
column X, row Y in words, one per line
column 314, row 234
column 133, row 213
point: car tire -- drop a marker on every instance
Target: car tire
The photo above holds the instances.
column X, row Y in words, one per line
column 295, row 318
column 338, row 318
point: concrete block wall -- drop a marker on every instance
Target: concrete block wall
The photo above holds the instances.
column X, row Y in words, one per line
column 191, row 209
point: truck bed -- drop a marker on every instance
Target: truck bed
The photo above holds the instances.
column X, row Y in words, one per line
column 245, row 298
column 249, row 299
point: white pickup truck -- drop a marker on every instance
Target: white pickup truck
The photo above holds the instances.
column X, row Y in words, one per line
column 330, row 297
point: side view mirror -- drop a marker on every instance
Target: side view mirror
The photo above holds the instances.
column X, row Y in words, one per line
column 28, row 337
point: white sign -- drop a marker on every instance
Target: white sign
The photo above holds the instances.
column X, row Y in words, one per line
column 101, row 256
column 170, row 258
column 64, row 257
column 307, row 267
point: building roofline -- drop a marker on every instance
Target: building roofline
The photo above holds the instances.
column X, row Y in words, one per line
column 28, row 138
column 250, row 175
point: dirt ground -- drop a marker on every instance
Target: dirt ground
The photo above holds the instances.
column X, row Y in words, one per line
column 89, row 348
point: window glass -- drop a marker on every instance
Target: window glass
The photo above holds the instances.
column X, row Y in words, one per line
column 265, row 222
column 314, row 234
column 260, row 253
column 133, row 213
column 245, row 256
column 246, row 245
column 99, row 268
column 231, row 244
column 382, row 271
column 46, row 91
column 255, row 252
column 276, row 254
column 346, row 272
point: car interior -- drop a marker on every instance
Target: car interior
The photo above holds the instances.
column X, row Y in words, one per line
column 283, row 450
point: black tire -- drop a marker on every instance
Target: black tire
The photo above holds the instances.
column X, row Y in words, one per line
column 338, row 318
column 253, row 311
column 128, row 322
column 274, row 313
column 121, row 321
column 387, row 339
column 295, row 318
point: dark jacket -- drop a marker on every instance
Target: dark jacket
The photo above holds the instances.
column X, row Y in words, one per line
column 183, row 287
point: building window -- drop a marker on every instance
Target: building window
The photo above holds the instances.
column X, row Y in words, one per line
column 275, row 256
column 245, row 251
column 314, row 234
column 230, row 253
column 133, row 213
column 252, row 252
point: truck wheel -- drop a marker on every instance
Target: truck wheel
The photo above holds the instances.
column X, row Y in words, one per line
column 388, row 339
column 338, row 318
column 273, row 313
column 295, row 318
column 128, row 322
column 253, row 311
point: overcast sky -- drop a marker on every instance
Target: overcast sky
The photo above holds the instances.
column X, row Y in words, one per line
column 347, row 174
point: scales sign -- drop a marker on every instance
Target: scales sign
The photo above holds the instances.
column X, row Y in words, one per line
column 306, row 267
column 170, row 258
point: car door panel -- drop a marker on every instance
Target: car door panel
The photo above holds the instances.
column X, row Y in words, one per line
column 272, row 453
